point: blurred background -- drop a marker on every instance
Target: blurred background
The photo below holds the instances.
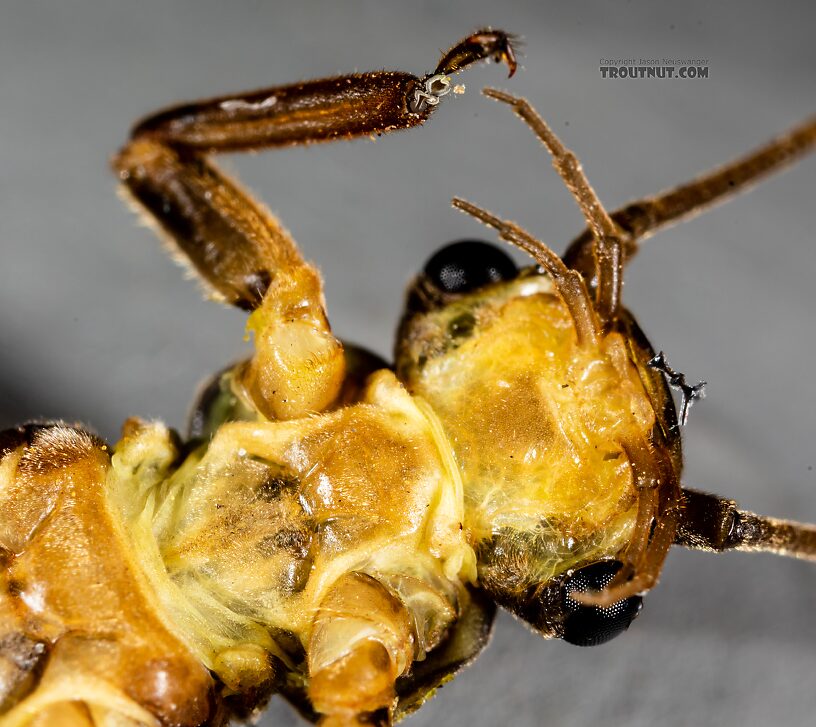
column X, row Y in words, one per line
column 96, row 324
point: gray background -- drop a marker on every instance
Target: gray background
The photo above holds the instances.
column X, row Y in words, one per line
column 96, row 324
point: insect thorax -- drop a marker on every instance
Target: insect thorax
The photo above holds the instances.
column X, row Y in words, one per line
column 536, row 423
column 244, row 539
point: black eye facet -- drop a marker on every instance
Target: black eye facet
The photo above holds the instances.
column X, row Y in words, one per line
column 590, row 625
column 467, row 265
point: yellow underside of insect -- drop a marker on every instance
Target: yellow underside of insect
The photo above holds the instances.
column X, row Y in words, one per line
column 272, row 514
column 351, row 534
column 302, row 550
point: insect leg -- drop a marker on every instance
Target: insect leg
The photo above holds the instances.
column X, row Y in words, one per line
column 246, row 258
column 361, row 642
column 568, row 283
column 639, row 220
column 605, row 233
column 233, row 243
column 238, row 248
column 349, row 106
column 485, row 43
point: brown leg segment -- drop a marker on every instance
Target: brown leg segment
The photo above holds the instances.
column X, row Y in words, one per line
column 232, row 243
column 236, row 246
column 642, row 218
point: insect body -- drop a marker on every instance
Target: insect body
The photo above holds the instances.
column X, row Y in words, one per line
column 335, row 530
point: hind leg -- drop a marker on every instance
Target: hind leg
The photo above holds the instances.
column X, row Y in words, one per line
column 236, row 246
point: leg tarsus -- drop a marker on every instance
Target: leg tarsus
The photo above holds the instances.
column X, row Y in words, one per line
column 485, row 43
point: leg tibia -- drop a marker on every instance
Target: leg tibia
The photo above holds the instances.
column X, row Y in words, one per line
column 358, row 104
column 331, row 108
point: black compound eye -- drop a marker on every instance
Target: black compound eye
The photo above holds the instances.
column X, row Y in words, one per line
column 467, row 265
column 590, row 625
